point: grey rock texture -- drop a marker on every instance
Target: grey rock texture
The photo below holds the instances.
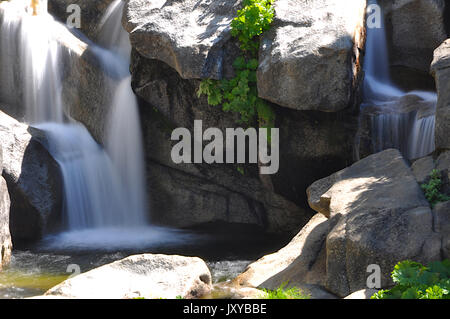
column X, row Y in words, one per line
column 309, row 58
column 441, row 73
column 311, row 145
column 415, row 29
column 148, row 276
column 301, row 262
column 33, row 177
column 191, row 35
column 379, row 215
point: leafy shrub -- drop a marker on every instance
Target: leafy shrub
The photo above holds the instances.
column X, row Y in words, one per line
column 432, row 189
column 282, row 293
column 240, row 94
column 415, row 281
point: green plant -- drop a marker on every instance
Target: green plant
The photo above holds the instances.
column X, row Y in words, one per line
column 283, row 293
column 240, row 94
column 415, row 281
column 432, row 189
column 241, row 170
column 255, row 18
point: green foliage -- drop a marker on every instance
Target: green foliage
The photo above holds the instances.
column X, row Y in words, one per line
column 255, row 18
column 282, row 293
column 240, row 94
column 415, row 281
column 432, row 189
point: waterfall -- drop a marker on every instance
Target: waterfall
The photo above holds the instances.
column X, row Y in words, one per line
column 104, row 188
column 123, row 140
column 393, row 126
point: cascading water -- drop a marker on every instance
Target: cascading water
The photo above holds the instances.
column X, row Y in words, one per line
column 124, row 140
column 104, row 191
column 410, row 131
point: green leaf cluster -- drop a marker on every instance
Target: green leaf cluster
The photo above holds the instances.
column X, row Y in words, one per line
column 240, row 94
column 415, row 281
column 255, row 18
column 432, row 189
column 283, row 293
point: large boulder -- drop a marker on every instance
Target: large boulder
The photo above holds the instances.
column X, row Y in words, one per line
column 148, row 276
column 312, row 46
column 191, row 36
column 415, row 29
column 378, row 215
column 5, row 236
column 309, row 59
column 441, row 71
column 33, row 177
column 302, row 262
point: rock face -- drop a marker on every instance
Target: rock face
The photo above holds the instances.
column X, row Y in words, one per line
column 415, row 29
column 423, row 167
column 148, row 276
column 169, row 56
column 371, row 213
column 312, row 144
column 441, row 72
column 91, row 13
column 191, row 36
column 301, row 262
column 312, row 46
column 379, row 215
column 33, row 178
column 309, row 58
column 5, row 236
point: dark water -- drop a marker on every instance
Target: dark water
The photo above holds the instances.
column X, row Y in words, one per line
column 227, row 251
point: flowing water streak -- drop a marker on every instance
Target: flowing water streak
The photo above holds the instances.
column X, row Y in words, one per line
column 408, row 132
column 100, row 192
column 29, row 58
column 123, row 139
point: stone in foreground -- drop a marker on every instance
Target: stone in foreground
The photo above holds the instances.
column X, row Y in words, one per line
column 379, row 216
column 300, row 262
column 141, row 276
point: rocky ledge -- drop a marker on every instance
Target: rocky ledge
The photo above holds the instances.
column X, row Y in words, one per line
column 371, row 213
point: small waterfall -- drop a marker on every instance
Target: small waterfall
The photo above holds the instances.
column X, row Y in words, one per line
column 123, row 140
column 111, row 33
column 95, row 197
column 394, row 125
column 104, row 188
column 27, row 43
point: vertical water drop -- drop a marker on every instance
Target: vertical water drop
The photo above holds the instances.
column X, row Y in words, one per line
column 393, row 124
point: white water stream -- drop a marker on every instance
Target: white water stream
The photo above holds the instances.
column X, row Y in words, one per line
column 409, row 132
column 105, row 203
